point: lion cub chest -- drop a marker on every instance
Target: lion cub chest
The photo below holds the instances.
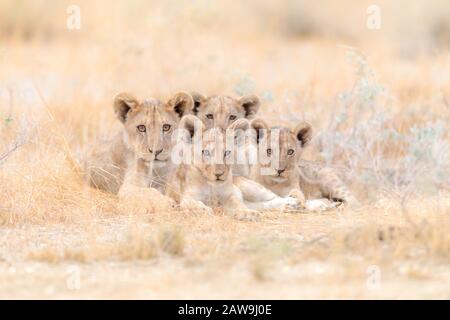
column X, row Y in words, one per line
column 211, row 193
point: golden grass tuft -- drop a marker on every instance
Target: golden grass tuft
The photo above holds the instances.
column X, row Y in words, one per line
column 172, row 241
column 137, row 244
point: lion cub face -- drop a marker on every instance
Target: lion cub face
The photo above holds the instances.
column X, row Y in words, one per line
column 149, row 124
column 280, row 150
column 212, row 149
column 221, row 111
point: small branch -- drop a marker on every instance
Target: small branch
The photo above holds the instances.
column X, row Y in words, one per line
column 446, row 104
column 8, row 153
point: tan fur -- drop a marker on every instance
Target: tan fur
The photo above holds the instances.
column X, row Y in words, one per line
column 208, row 182
column 291, row 175
column 134, row 158
column 281, row 177
column 224, row 111
column 318, row 180
column 221, row 111
column 258, row 197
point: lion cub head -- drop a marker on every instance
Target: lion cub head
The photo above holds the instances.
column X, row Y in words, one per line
column 212, row 149
column 149, row 123
column 221, row 111
column 280, row 150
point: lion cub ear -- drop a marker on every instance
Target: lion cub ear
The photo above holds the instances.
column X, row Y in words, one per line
column 303, row 133
column 240, row 124
column 189, row 126
column 198, row 99
column 123, row 103
column 250, row 103
column 239, row 130
column 182, row 103
column 261, row 128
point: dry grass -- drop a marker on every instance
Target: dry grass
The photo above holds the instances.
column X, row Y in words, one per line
column 138, row 244
column 56, row 88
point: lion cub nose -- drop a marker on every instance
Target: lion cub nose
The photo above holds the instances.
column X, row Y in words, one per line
column 218, row 175
column 280, row 171
column 156, row 153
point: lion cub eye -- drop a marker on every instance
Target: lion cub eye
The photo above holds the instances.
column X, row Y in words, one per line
column 269, row 152
column 205, row 153
column 141, row 128
column 290, row 152
column 233, row 117
column 209, row 116
column 227, row 153
column 166, row 127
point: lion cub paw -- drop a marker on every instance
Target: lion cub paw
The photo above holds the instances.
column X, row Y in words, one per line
column 144, row 199
column 320, row 205
column 196, row 206
column 294, row 201
column 298, row 194
column 247, row 215
column 292, row 204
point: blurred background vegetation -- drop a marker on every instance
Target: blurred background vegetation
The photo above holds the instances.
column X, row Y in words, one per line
column 378, row 99
column 412, row 25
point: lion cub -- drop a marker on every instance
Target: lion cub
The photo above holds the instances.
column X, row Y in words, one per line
column 278, row 167
column 204, row 178
column 220, row 111
column 139, row 155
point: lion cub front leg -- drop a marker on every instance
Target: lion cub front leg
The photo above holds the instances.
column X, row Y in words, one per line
column 191, row 200
column 135, row 192
column 319, row 205
column 258, row 197
column 190, row 204
column 299, row 195
column 136, row 179
column 235, row 207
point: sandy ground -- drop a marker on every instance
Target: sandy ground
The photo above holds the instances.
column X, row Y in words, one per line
column 342, row 254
